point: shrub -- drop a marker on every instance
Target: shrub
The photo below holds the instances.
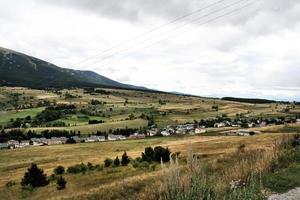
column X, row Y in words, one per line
column 59, row 170
column 135, row 164
column 99, row 167
column 108, row 162
column 90, row 166
column 34, row 177
column 77, row 169
column 61, row 183
column 125, row 159
column 10, row 183
column 144, row 165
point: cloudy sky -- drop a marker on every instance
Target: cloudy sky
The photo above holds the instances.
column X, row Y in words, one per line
column 242, row 48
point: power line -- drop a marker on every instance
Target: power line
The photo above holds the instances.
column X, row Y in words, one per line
column 194, row 20
column 210, row 20
column 151, row 31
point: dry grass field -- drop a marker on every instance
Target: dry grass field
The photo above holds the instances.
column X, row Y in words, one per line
column 15, row 162
column 122, row 182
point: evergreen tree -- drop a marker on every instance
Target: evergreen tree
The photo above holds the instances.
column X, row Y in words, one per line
column 125, row 159
column 61, row 183
column 34, row 177
column 117, row 162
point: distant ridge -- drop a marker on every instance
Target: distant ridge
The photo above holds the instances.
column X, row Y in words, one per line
column 18, row 69
column 248, row 100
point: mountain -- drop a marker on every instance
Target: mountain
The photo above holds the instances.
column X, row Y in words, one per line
column 18, row 69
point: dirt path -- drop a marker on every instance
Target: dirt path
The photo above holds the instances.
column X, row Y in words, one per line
column 290, row 195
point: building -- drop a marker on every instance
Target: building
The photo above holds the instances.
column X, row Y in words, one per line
column 95, row 138
column 3, row 146
column 116, row 137
column 298, row 121
column 200, row 130
column 152, row 132
column 12, row 144
column 165, row 133
column 137, row 136
column 220, row 125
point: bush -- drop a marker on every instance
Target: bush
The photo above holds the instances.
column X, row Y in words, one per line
column 108, row 162
column 125, row 159
column 77, row 169
column 10, row 183
column 99, row 167
column 34, row 177
column 59, row 170
column 116, row 162
column 61, row 183
column 90, row 166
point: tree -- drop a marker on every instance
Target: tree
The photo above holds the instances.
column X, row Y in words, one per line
column 34, row 177
column 161, row 153
column 116, row 162
column 61, row 183
column 125, row 159
column 59, row 170
column 107, row 162
column 70, row 141
column 148, row 155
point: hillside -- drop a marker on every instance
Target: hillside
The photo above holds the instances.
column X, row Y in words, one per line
column 17, row 69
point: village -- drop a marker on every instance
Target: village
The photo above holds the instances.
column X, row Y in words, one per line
column 239, row 128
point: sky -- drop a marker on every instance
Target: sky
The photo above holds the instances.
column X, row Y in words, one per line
column 216, row 48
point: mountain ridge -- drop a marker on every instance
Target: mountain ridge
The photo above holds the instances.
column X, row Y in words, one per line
column 19, row 69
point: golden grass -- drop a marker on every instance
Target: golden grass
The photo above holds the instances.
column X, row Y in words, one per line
column 14, row 162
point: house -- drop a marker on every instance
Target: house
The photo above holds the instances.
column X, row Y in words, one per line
column 263, row 123
column 116, row 137
column 53, row 140
column 95, row 138
column 78, row 139
column 3, row 146
column 152, row 132
column 112, row 137
column 121, row 137
column 298, row 121
column 164, row 133
column 180, row 130
column 250, row 125
column 12, row 144
column 220, row 125
column 137, row 136
column 200, row 130
column 24, row 143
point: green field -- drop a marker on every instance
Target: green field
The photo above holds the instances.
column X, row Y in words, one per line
column 6, row 116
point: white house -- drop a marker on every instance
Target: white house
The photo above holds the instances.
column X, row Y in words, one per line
column 165, row 133
column 12, row 144
column 152, row 132
column 116, row 137
column 3, row 146
column 200, row 130
column 298, row 121
column 219, row 125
